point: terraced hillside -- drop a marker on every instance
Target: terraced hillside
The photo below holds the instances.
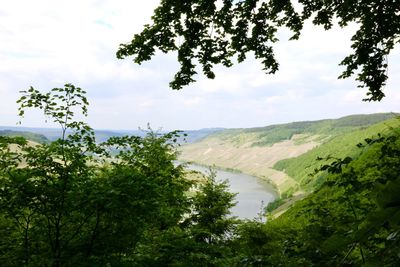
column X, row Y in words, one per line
column 260, row 151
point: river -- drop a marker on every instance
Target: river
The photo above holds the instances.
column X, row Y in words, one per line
column 252, row 193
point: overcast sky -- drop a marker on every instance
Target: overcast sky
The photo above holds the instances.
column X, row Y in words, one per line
column 47, row 43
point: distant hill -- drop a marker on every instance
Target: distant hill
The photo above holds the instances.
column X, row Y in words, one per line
column 38, row 138
column 267, row 152
column 49, row 133
column 52, row 134
column 198, row 135
column 323, row 128
column 43, row 135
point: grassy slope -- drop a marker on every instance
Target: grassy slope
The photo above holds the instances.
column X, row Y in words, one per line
column 339, row 146
column 257, row 150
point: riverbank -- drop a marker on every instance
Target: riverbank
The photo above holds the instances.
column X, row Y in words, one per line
column 278, row 180
column 253, row 194
column 250, row 159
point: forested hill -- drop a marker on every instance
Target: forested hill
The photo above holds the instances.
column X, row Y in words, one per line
column 323, row 128
column 338, row 146
column 271, row 152
column 43, row 135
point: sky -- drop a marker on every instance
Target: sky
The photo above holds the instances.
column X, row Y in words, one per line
column 47, row 43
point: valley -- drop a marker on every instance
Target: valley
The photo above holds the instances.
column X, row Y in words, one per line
column 282, row 155
column 254, row 160
column 281, row 206
column 285, row 155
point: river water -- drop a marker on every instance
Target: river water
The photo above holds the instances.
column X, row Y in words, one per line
column 253, row 193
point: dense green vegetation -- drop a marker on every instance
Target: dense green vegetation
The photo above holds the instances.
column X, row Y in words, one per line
column 71, row 203
column 38, row 138
column 338, row 146
column 353, row 218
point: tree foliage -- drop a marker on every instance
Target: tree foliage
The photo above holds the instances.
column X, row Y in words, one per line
column 203, row 237
column 70, row 202
column 353, row 219
column 210, row 32
column 122, row 202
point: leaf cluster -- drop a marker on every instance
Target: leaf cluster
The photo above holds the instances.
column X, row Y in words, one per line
column 210, row 32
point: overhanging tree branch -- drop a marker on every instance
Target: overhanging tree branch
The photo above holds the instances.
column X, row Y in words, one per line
column 241, row 27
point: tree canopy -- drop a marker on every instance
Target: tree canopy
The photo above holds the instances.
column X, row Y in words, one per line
column 211, row 32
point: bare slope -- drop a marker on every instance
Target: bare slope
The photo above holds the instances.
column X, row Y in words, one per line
column 254, row 160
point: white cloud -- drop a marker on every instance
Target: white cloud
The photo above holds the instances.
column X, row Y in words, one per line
column 354, row 96
column 192, row 101
column 273, row 99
